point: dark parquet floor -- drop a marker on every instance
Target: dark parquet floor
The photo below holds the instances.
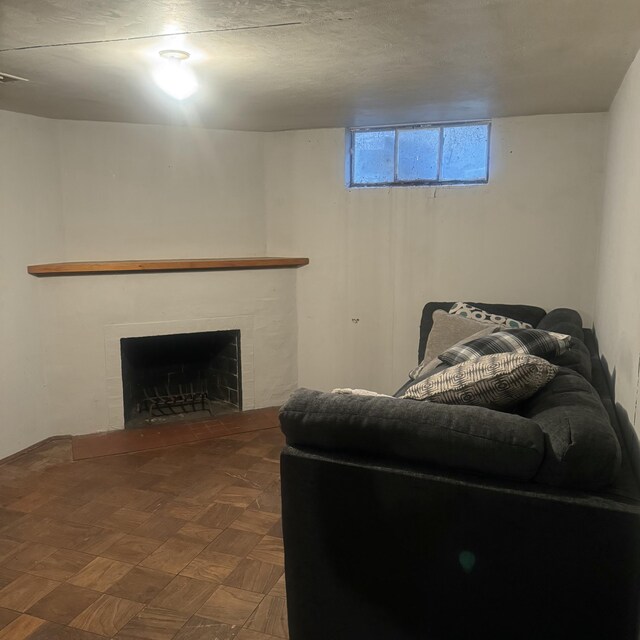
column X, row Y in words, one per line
column 182, row 542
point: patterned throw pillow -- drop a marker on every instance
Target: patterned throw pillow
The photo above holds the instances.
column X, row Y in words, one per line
column 497, row 380
column 467, row 311
column 535, row 342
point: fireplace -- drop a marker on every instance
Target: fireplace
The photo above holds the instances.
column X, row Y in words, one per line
column 180, row 377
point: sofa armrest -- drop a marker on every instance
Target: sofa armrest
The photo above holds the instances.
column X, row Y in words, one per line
column 471, row 439
column 581, row 447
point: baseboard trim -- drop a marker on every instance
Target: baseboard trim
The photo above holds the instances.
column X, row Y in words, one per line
column 32, row 448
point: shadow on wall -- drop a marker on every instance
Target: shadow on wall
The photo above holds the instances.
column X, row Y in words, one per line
column 627, row 431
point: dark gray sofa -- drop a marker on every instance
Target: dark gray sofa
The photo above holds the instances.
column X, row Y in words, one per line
column 410, row 520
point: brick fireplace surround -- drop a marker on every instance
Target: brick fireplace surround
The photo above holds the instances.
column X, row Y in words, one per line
column 84, row 317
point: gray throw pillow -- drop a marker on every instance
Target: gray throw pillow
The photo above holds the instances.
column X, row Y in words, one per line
column 449, row 330
column 497, row 380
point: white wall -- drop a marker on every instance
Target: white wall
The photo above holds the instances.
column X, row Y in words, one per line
column 377, row 255
column 98, row 191
column 30, row 230
column 145, row 191
column 617, row 318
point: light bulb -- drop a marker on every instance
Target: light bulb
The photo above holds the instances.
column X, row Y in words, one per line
column 173, row 77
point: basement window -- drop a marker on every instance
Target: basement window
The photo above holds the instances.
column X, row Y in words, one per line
column 416, row 155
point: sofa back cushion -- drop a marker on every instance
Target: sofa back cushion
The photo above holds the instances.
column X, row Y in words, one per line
column 521, row 312
column 577, row 357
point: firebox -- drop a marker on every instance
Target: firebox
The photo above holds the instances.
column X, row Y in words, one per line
column 180, row 377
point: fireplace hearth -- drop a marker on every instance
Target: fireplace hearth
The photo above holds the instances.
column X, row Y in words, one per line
column 180, row 377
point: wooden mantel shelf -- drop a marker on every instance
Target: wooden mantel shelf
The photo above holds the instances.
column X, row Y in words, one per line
column 135, row 266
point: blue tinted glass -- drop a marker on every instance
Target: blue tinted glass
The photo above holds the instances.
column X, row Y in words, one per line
column 418, row 154
column 373, row 153
column 464, row 153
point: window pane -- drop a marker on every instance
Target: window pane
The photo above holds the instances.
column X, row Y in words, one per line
column 418, row 154
column 464, row 153
column 373, row 153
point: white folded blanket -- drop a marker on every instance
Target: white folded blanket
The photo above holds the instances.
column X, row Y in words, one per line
column 360, row 392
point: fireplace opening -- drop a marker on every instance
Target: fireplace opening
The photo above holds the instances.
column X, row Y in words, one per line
column 180, row 377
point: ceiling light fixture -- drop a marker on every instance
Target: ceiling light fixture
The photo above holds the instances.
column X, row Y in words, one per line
column 173, row 76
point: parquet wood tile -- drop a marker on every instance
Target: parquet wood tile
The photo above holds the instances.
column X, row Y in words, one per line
column 184, row 595
column 193, row 532
column 276, row 529
column 90, row 548
column 238, row 496
column 153, row 624
column 173, row 556
column 253, row 479
column 230, row 605
column 90, row 512
column 248, row 634
column 140, row 585
column 269, row 502
column 63, row 604
column 270, row 617
column 125, row 520
column 186, row 509
column 220, row 516
column 29, row 502
column 25, row 591
column 21, row 628
column 8, row 548
column 61, row 565
column 270, row 549
column 279, row 590
column 57, row 508
column 211, row 566
column 100, row 574
column 254, row 575
column 96, row 540
column 206, row 629
column 53, row 631
column 235, row 542
column 7, row 576
column 107, row 615
column 255, row 522
column 7, row 616
column 131, row 549
column 159, row 527
column 28, row 555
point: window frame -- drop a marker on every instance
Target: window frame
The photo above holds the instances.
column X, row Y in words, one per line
column 413, row 127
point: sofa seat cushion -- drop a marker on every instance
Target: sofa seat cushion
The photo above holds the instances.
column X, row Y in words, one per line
column 581, row 447
column 471, row 439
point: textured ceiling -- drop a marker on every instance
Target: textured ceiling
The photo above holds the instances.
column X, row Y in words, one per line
column 287, row 64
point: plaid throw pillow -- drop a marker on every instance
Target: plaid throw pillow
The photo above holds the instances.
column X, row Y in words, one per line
column 473, row 313
column 498, row 380
column 536, row 342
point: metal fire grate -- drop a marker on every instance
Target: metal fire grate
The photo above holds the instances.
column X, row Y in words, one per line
column 185, row 400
